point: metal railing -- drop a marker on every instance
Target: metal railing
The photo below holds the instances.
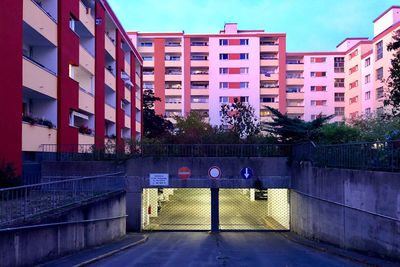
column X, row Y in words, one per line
column 55, row 192
column 214, row 150
column 367, row 156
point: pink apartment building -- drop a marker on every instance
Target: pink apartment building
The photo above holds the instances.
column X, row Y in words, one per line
column 201, row 72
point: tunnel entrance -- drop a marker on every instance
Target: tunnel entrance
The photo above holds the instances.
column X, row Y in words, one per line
column 235, row 209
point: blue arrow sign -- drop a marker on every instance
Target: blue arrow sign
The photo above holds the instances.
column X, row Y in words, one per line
column 246, row 173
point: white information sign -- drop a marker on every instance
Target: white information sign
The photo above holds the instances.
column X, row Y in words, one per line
column 159, row 179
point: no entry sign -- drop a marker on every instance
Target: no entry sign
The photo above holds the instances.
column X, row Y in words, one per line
column 184, row 173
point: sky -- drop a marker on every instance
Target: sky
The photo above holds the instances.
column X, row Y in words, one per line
column 310, row 25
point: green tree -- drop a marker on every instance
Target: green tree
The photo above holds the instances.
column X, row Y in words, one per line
column 192, row 129
column 155, row 126
column 393, row 81
column 291, row 130
column 338, row 133
column 240, row 118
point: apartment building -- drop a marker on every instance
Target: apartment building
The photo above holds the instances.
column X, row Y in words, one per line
column 201, row 72
column 74, row 72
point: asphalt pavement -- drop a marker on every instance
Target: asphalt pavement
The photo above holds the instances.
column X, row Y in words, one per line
column 224, row 249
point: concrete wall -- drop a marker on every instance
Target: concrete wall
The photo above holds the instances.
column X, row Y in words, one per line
column 30, row 246
column 354, row 209
column 79, row 168
column 272, row 172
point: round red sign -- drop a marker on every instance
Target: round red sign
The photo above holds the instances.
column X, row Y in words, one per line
column 184, row 173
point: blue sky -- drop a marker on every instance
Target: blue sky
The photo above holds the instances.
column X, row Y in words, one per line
column 311, row 25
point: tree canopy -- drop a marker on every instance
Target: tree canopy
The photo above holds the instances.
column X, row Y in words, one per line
column 393, row 81
column 240, row 118
column 291, row 130
column 155, row 126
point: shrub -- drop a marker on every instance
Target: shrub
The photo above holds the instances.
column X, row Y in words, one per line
column 338, row 133
column 8, row 175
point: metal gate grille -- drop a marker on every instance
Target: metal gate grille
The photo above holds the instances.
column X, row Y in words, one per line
column 176, row 209
column 251, row 209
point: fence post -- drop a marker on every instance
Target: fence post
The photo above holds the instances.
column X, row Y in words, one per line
column 26, row 202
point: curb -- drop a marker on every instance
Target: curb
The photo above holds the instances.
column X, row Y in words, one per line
column 108, row 254
column 337, row 252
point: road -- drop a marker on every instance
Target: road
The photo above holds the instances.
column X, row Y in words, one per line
column 190, row 209
column 224, row 249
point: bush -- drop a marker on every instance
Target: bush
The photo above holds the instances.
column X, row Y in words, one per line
column 338, row 133
column 8, row 175
column 376, row 128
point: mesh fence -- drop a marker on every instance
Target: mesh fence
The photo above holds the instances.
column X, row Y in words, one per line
column 251, row 209
column 176, row 209
column 239, row 209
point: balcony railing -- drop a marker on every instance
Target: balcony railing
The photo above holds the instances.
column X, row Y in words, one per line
column 39, row 65
column 294, row 76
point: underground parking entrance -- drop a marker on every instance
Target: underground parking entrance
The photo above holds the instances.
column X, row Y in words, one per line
column 214, row 209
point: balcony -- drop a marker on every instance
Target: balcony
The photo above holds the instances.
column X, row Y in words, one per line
column 86, row 60
column 269, row 91
column 269, row 47
column 295, row 96
column 138, row 104
column 127, row 95
column 173, row 92
column 110, row 47
column 86, row 101
column 269, row 77
column 199, row 77
column 109, row 113
column 146, row 49
column 295, row 81
column 173, row 77
column 269, row 63
column 148, row 77
column 85, row 139
column 38, row 78
column 39, row 20
column 295, row 110
column 127, row 67
column 127, row 122
column 272, row 105
column 33, row 136
column 199, row 63
column 173, row 49
column 295, row 67
column 138, row 127
column 199, row 106
column 110, row 79
column 173, row 106
column 86, row 18
column 199, row 92
column 199, row 48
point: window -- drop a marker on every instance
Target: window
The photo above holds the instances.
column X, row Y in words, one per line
column 367, row 78
column 353, row 69
column 367, row 95
column 173, row 100
column 223, row 99
column 147, row 58
column 339, row 64
column 244, row 56
column 293, row 90
column 379, row 50
column 353, row 100
column 318, row 88
column 244, row 99
column 223, row 85
column 267, row 100
column 318, row 102
column 244, row 41
column 339, row 111
column 244, row 85
column 223, row 70
column 367, row 62
column 339, row 82
column 379, row 93
column 223, row 42
column 72, row 22
column 199, row 99
column 265, row 113
column 368, row 111
column 318, row 74
column 318, row 59
column 244, row 70
column 379, row 74
column 353, row 84
column 339, row 97
column 146, row 44
column 353, row 54
column 223, row 56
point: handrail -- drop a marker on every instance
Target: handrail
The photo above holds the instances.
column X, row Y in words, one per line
column 39, row 65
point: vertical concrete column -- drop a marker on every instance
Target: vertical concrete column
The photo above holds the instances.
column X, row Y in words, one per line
column 153, row 202
column 252, row 194
column 133, row 204
column 214, row 210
